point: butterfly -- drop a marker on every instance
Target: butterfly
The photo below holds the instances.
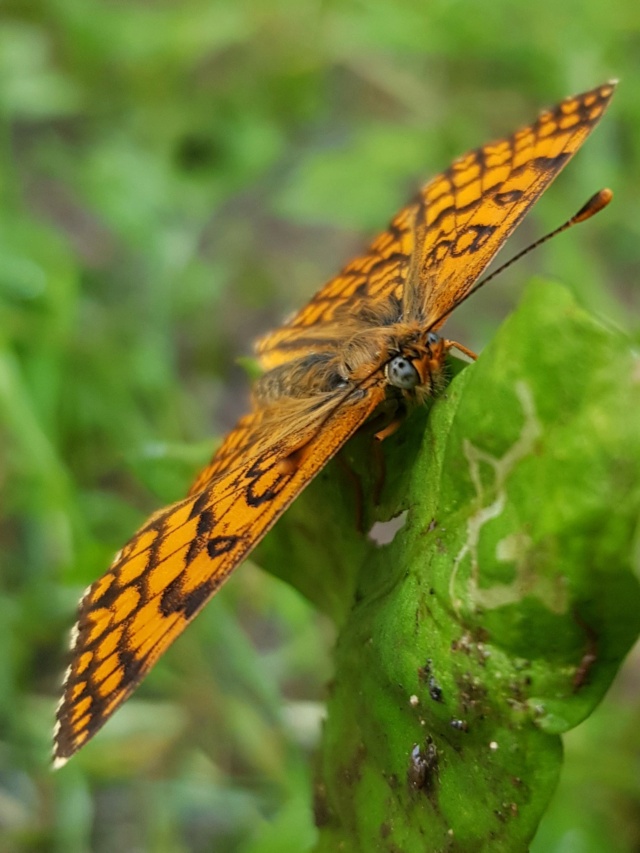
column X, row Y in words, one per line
column 366, row 348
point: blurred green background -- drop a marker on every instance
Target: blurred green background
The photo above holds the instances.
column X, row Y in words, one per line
column 175, row 176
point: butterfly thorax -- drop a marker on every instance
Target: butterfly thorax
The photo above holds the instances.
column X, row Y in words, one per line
column 405, row 358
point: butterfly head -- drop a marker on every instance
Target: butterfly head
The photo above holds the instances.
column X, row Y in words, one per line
column 417, row 368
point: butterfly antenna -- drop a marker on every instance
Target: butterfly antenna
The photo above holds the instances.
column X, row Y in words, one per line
column 595, row 204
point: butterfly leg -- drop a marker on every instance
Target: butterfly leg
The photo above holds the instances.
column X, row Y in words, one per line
column 461, row 348
column 388, row 430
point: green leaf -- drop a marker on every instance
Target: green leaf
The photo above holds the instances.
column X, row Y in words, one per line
column 498, row 616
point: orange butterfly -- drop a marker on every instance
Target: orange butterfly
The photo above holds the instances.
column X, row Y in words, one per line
column 366, row 343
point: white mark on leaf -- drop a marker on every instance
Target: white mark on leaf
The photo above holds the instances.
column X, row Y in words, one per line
column 514, row 546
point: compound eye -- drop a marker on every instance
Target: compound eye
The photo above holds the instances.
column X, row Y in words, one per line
column 432, row 338
column 401, row 373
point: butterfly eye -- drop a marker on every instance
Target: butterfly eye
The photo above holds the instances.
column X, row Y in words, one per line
column 432, row 338
column 401, row 373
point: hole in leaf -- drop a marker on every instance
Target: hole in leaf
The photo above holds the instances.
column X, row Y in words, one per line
column 383, row 532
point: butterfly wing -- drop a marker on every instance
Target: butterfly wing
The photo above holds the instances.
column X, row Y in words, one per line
column 376, row 276
column 165, row 574
column 471, row 208
column 432, row 253
column 436, row 248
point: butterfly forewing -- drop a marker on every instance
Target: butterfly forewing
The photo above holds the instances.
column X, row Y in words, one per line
column 431, row 255
column 470, row 210
column 436, row 248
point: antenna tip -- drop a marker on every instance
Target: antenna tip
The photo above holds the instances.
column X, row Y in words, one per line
column 595, row 204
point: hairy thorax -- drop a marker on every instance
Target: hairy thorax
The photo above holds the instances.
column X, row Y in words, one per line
column 409, row 361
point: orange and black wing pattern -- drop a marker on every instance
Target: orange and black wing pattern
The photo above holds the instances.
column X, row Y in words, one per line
column 173, row 565
column 436, row 248
column 469, row 211
column 430, row 256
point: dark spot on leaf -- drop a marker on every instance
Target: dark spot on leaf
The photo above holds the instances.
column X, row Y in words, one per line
column 425, row 673
column 435, row 691
column 423, row 766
